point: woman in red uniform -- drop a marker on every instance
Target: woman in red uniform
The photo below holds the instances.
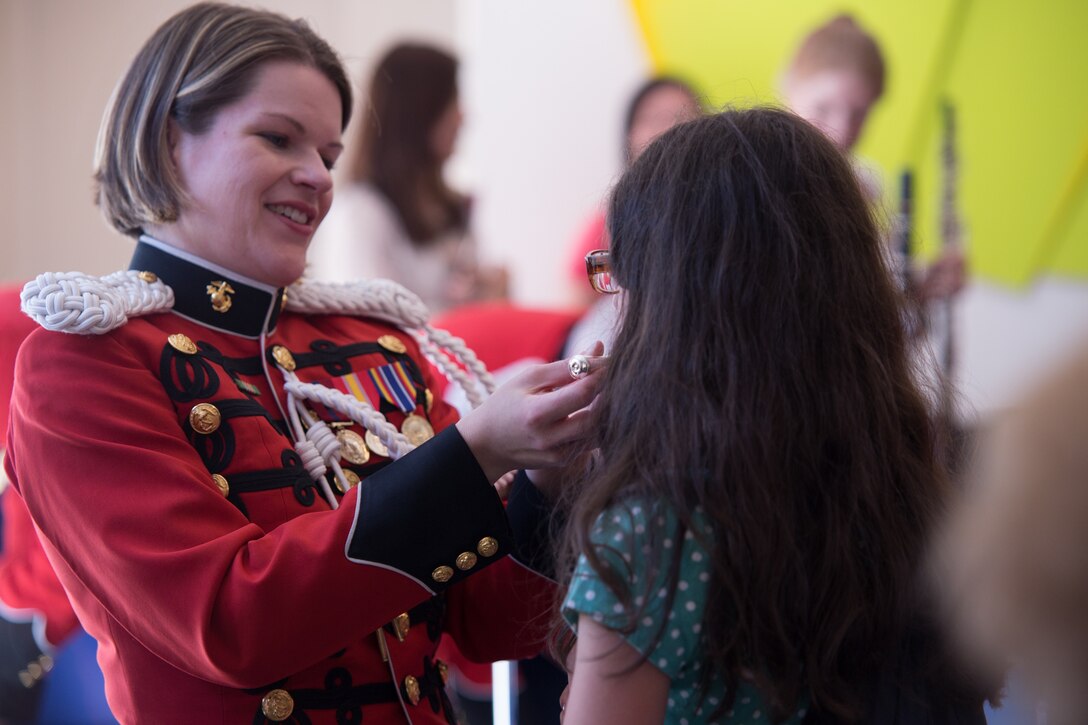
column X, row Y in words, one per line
column 236, row 475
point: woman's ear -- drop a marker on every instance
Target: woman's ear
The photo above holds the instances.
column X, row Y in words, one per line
column 173, row 136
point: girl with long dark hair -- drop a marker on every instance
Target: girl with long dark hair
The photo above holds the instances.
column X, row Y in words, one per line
column 746, row 545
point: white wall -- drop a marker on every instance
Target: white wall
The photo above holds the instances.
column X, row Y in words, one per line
column 545, row 85
column 1006, row 339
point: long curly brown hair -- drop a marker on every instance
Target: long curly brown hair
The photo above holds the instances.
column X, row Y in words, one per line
column 761, row 372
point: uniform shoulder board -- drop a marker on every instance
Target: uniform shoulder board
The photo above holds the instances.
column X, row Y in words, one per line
column 382, row 299
column 84, row 305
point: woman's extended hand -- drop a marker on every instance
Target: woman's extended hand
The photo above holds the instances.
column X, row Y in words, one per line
column 532, row 420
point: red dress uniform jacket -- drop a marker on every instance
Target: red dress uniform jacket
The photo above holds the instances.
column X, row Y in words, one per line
column 220, row 584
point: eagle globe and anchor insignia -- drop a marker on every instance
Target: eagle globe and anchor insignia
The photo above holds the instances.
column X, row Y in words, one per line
column 220, row 292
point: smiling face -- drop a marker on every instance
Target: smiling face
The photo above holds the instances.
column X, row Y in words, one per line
column 258, row 180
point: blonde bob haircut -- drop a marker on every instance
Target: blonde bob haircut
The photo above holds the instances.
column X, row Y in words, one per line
column 200, row 60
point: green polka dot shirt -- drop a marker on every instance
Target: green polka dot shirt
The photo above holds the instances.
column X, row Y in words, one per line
column 622, row 539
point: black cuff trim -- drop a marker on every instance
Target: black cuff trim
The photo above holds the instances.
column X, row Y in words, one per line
column 431, row 515
column 530, row 513
column 19, row 691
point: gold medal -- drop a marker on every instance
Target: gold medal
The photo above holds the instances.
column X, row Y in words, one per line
column 375, row 444
column 351, row 477
column 416, row 429
column 352, row 447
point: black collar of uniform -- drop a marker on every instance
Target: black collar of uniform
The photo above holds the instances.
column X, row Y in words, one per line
column 253, row 307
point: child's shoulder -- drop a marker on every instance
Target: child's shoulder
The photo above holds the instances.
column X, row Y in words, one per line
column 640, row 514
column 635, row 516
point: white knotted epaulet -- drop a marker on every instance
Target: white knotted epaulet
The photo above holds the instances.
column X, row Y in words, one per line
column 390, row 302
column 85, row 305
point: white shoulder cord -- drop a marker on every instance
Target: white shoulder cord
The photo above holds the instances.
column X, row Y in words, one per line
column 386, row 300
column 81, row 304
column 465, row 368
column 390, row 302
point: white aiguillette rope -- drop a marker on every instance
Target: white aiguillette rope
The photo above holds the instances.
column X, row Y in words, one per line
column 386, row 300
column 80, row 304
column 390, row 302
column 382, row 299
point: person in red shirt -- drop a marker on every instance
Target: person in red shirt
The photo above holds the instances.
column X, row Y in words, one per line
column 656, row 106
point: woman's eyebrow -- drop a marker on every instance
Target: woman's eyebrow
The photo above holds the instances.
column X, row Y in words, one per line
column 299, row 127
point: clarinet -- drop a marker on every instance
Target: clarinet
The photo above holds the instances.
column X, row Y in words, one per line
column 906, row 220
column 950, row 239
column 902, row 244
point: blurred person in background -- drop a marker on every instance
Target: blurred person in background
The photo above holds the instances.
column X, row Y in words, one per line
column 1015, row 557
column 833, row 80
column 398, row 218
column 657, row 105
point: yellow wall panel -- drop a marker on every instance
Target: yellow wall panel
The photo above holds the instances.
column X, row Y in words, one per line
column 1017, row 74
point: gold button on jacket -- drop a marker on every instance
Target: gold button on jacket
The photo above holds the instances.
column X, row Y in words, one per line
column 392, row 343
column 411, row 689
column 401, row 624
column 283, row 357
column 277, row 705
column 205, row 418
column 182, row 343
column 487, row 546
